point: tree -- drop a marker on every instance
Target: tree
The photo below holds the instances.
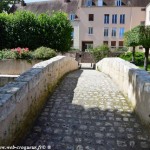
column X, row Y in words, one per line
column 26, row 29
column 144, row 37
column 131, row 39
column 100, row 52
column 61, row 29
column 6, row 4
column 55, row 30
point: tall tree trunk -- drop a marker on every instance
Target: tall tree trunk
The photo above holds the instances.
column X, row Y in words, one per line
column 146, row 58
column 133, row 55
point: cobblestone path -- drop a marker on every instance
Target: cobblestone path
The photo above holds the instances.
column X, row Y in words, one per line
column 87, row 112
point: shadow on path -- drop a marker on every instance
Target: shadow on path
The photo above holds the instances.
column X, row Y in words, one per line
column 87, row 112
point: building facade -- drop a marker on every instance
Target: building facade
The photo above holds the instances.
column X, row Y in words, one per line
column 105, row 21
column 147, row 22
column 97, row 22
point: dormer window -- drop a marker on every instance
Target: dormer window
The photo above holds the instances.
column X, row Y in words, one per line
column 118, row 2
column 100, row 2
column 88, row 3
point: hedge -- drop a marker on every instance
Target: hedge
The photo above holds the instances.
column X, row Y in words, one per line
column 26, row 29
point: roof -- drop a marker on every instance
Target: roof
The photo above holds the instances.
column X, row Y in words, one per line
column 134, row 3
column 48, row 6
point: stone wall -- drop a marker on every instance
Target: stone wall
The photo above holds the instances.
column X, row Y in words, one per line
column 16, row 67
column 21, row 100
column 132, row 81
column 4, row 79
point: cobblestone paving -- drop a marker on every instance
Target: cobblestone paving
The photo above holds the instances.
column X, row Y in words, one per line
column 87, row 112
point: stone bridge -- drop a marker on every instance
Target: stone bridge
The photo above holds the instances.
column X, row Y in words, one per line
column 88, row 110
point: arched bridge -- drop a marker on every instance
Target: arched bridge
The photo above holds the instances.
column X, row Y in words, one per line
column 87, row 110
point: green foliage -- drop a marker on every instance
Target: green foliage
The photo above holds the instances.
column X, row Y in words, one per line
column 100, row 52
column 7, row 54
column 5, row 4
column 3, row 30
column 22, row 53
column 144, row 36
column 62, row 28
column 26, row 29
column 139, row 57
column 145, row 42
column 17, row 53
column 44, row 53
column 23, row 29
column 131, row 38
column 121, row 49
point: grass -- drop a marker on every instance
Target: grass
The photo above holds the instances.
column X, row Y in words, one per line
column 142, row 67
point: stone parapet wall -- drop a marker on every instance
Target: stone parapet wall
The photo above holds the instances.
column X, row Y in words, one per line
column 16, row 67
column 22, row 99
column 4, row 79
column 132, row 81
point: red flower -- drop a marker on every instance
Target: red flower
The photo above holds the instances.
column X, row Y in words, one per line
column 26, row 49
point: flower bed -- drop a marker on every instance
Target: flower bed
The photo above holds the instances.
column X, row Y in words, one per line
column 18, row 60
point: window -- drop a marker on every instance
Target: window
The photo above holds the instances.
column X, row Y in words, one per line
column 105, row 32
column 72, row 17
column 106, row 19
column 113, row 43
column 100, row 2
column 90, row 30
column 105, row 42
column 143, row 9
column 118, row 2
column 114, row 19
column 121, row 32
column 88, row 3
column 122, row 19
column 113, row 34
column 120, row 43
column 91, row 17
column 72, row 35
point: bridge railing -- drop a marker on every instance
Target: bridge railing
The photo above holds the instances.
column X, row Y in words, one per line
column 22, row 99
column 132, row 81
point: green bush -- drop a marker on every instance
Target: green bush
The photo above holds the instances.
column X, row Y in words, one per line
column 139, row 57
column 44, row 53
column 26, row 29
column 121, row 49
column 3, row 30
column 8, row 54
column 100, row 52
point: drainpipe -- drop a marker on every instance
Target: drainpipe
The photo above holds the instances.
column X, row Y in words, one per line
column 131, row 18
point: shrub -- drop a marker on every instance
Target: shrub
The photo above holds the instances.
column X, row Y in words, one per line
column 44, row 53
column 17, row 53
column 7, row 54
column 22, row 53
column 100, row 52
column 3, row 30
column 139, row 57
column 26, row 29
column 121, row 49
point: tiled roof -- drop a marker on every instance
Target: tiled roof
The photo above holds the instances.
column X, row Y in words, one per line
column 48, row 6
